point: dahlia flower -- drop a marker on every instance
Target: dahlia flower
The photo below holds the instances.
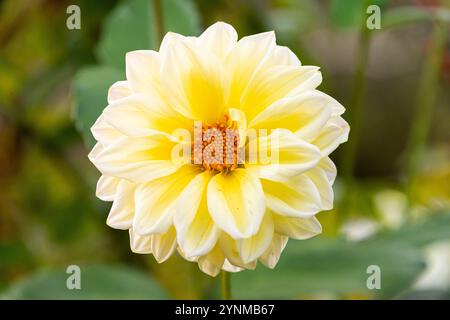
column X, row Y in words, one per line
column 255, row 168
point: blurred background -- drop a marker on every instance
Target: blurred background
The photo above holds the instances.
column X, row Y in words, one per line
column 392, row 206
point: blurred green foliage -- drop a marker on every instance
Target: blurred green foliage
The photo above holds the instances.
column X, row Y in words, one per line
column 53, row 85
column 98, row 282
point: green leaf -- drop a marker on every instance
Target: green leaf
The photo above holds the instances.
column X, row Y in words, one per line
column 97, row 282
column 181, row 16
column 131, row 26
column 350, row 13
column 13, row 253
column 319, row 265
column 91, row 89
column 426, row 295
column 433, row 229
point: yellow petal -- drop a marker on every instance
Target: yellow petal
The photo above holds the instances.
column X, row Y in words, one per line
column 103, row 132
column 332, row 135
column 233, row 260
column 196, row 81
column 140, row 244
column 304, row 114
column 282, row 55
column 297, row 228
column 156, row 200
column 212, row 262
column 323, row 176
column 228, row 267
column 330, row 169
column 251, row 248
column 122, row 211
column 119, row 90
column 106, row 188
column 282, row 155
column 137, row 159
column 143, row 71
column 236, row 202
column 172, row 38
column 142, row 115
column 297, row 197
column 275, row 83
column 96, row 150
column 190, row 259
column 246, row 58
column 163, row 245
column 272, row 255
column 219, row 38
column 197, row 233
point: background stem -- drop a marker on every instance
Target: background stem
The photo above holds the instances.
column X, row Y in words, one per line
column 354, row 117
column 226, row 286
column 159, row 25
column 427, row 94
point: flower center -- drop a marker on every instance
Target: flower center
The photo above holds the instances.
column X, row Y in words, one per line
column 215, row 146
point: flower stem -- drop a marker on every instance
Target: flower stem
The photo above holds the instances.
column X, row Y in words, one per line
column 354, row 116
column 427, row 93
column 226, row 286
column 159, row 17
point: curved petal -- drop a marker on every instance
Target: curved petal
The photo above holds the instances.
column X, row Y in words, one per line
column 122, row 210
column 275, row 83
column 304, row 114
column 119, row 90
column 156, row 200
column 323, row 176
column 106, row 188
column 219, row 38
column 163, row 245
column 297, row 197
column 172, row 38
column 282, row 55
column 228, row 267
column 137, row 159
column 140, row 244
column 233, row 261
column 143, row 71
column 196, row 81
column 281, row 155
column 247, row 57
column 297, row 228
column 329, row 167
column 197, row 233
column 96, row 150
column 336, row 108
column 184, row 256
column 140, row 115
column 251, row 248
column 332, row 135
column 272, row 255
column 212, row 262
column 103, row 132
column 236, row 202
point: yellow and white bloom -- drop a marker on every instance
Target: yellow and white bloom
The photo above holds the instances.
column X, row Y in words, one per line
column 221, row 215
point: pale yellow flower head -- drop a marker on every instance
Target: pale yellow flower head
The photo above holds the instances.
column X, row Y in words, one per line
column 217, row 148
